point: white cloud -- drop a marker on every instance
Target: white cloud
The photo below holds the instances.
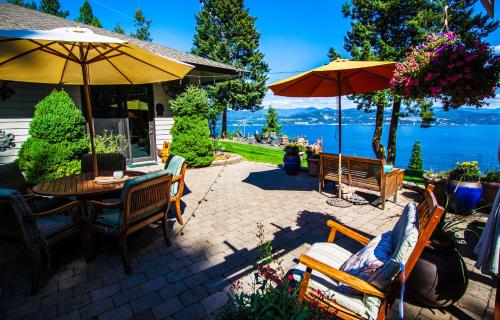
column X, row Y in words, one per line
column 497, row 50
column 290, row 103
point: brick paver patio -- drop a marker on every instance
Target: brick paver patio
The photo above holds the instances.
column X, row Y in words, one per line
column 216, row 246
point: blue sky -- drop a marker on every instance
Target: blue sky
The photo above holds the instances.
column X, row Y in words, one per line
column 295, row 35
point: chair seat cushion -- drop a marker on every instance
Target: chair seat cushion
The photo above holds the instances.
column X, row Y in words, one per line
column 334, row 256
column 50, row 226
column 109, row 218
column 174, row 166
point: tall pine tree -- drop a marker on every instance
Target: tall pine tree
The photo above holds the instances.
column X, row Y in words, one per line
column 272, row 124
column 118, row 29
column 385, row 29
column 87, row 15
column 52, row 7
column 225, row 32
column 142, row 26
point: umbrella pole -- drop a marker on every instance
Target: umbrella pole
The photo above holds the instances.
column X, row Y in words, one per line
column 340, row 133
column 90, row 119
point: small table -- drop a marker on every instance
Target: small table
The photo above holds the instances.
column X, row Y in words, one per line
column 81, row 185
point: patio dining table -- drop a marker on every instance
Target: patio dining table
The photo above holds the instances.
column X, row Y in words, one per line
column 82, row 185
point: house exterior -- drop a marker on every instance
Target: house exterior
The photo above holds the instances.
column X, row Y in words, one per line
column 139, row 112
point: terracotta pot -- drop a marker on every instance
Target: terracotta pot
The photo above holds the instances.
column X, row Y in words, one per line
column 291, row 164
column 439, row 278
column 313, row 167
column 490, row 191
column 439, row 188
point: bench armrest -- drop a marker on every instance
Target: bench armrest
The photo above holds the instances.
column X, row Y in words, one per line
column 340, row 276
column 103, row 204
column 335, row 226
column 176, row 178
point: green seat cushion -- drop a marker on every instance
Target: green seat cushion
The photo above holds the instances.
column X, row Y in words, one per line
column 174, row 166
column 132, row 182
column 50, row 226
column 110, row 219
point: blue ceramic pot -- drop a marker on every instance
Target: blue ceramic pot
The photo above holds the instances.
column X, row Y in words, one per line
column 464, row 196
column 291, row 164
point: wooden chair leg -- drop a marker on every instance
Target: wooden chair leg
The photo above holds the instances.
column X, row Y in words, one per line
column 382, row 312
column 37, row 269
column 382, row 203
column 178, row 210
column 165, row 231
column 124, row 253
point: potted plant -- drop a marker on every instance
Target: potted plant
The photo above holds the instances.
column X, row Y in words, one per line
column 464, row 187
column 440, row 181
column 490, row 182
column 291, row 159
column 440, row 276
column 312, row 160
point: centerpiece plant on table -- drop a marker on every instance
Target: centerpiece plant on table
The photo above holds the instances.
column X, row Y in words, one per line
column 272, row 294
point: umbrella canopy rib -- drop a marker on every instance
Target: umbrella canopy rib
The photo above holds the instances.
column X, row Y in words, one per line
column 70, row 52
column 101, row 56
column 22, row 54
column 114, row 66
column 146, row 63
column 65, row 65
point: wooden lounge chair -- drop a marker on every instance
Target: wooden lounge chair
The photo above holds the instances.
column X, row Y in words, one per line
column 177, row 167
column 144, row 200
column 319, row 268
column 105, row 162
column 40, row 230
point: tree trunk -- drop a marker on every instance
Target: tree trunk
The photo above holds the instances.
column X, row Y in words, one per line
column 223, row 132
column 391, row 144
column 378, row 148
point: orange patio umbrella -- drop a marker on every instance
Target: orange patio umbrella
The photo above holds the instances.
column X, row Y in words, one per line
column 335, row 79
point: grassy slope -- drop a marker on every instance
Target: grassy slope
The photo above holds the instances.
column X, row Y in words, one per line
column 264, row 154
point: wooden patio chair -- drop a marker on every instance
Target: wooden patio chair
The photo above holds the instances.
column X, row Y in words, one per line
column 11, row 177
column 105, row 162
column 319, row 268
column 177, row 167
column 144, row 200
column 40, row 230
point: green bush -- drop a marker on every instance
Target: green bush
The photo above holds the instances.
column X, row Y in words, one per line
column 192, row 102
column 108, row 142
column 57, row 139
column 293, row 149
column 416, row 165
column 191, row 140
column 491, row 176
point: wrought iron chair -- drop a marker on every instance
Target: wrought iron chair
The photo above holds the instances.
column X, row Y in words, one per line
column 319, row 268
column 177, row 167
column 105, row 162
column 144, row 200
column 42, row 229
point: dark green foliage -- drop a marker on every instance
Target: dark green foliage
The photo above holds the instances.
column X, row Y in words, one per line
column 57, row 139
column 333, row 54
column 293, row 149
column 416, row 165
column 87, row 15
column 118, row 29
column 53, row 7
column 491, row 176
column 191, row 140
column 142, row 26
column 22, row 3
column 225, row 32
column 191, row 134
column 272, row 124
column 192, row 102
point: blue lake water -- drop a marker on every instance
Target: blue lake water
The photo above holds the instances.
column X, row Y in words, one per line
column 442, row 146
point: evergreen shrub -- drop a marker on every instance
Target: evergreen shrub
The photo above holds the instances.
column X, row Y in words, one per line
column 57, row 139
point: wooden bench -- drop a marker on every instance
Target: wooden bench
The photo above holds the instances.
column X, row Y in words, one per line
column 359, row 172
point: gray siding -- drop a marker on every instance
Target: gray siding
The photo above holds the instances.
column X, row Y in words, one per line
column 17, row 111
column 163, row 124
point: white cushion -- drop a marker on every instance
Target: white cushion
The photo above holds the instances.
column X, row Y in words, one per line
column 334, row 256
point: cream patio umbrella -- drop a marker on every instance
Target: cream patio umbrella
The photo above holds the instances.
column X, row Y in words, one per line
column 335, row 79
column 78, row 56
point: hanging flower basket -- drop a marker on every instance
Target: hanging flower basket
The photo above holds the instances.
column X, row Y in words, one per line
column 445, row 68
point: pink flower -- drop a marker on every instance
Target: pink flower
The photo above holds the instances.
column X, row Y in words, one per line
column 453, row 56
column 469, row 76
column 467, row 69
column 459, row 64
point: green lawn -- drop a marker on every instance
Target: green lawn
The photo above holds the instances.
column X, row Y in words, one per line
column 273, row 155
column 255, row 153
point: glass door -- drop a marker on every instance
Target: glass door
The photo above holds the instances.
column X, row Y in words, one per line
column 126, row 111
column 139, row 106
